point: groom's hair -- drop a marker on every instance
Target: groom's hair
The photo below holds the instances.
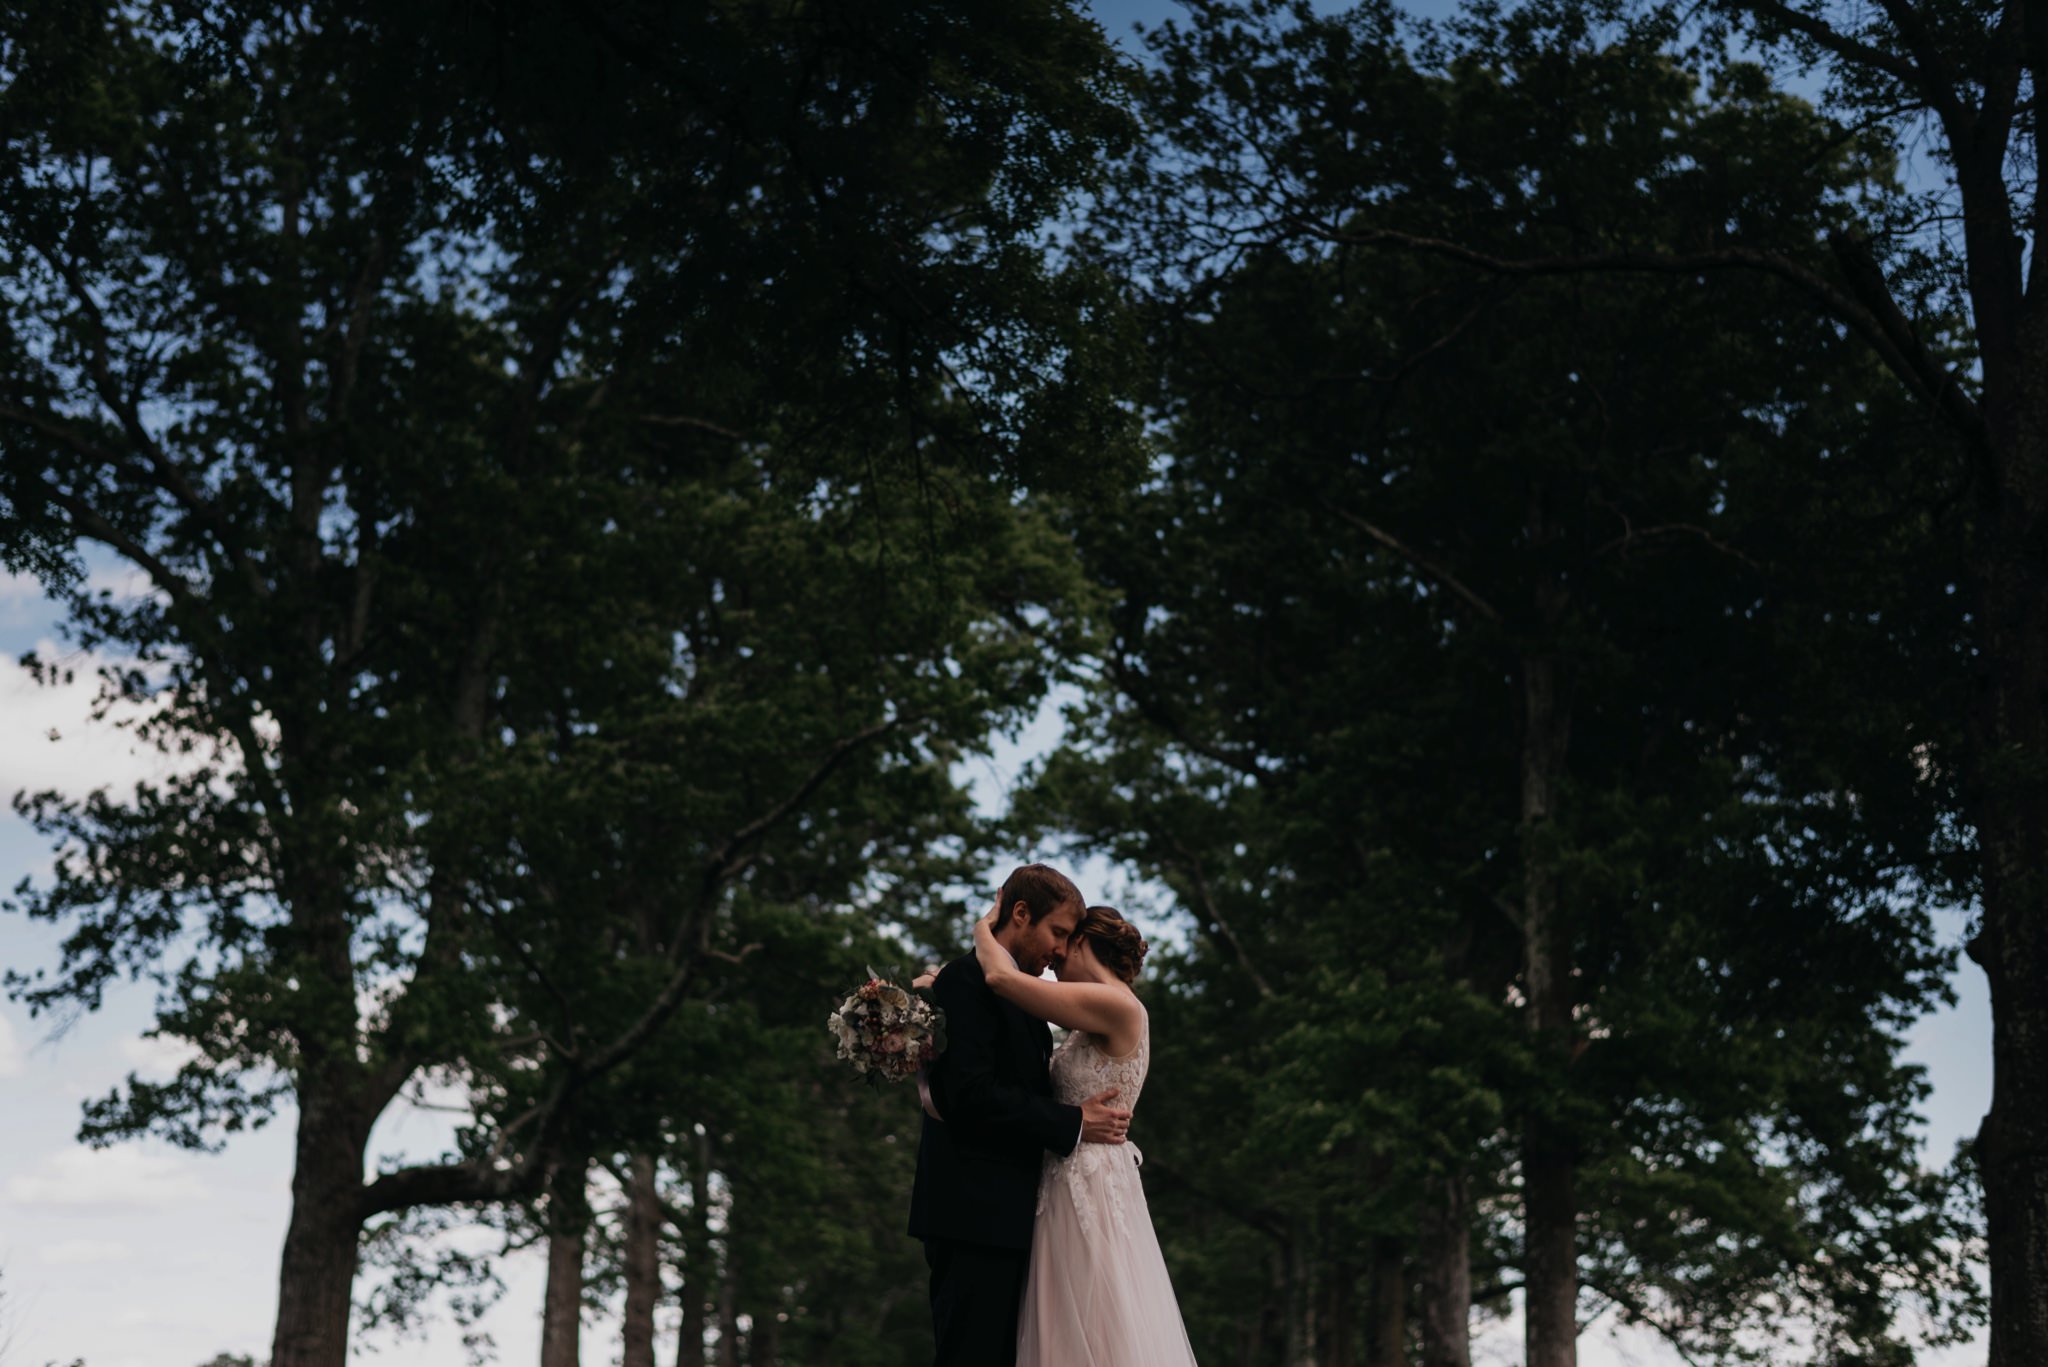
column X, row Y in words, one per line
column 1041, row 888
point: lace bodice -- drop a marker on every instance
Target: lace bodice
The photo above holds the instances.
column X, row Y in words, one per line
column 1080, row 1069
column 1100, row 1176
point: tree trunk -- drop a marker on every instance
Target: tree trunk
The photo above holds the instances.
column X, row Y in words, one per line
column 1446, row 1248
column 729, row 1304
column 568, row 1216
column 1298, row 1302
column 1388, row 1346
column 1336, row 1328
column 642, row 1262
column 1550, row 1257
column 1549, row 1204
column 1276, row 1319
column 316, row 1274
column 690, row 1341
column 697, row 1274
column 764, row 1345
column 2011, row 738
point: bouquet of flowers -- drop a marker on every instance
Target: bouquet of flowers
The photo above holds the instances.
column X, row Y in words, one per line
column 883, row 1029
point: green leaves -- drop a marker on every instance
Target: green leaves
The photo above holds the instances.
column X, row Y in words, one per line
column 1401, row 480
column 575, row 455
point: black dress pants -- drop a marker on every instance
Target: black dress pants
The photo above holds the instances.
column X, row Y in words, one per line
column 976, row 1290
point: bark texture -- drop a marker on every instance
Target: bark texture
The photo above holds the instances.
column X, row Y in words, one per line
column 1446, row 1253
column 642, row 1262
column 568, row 1214
column 1388, row 1344
column 1549, row 1199
column 316, row 1273
column 2012, row 819
column 698, row 1277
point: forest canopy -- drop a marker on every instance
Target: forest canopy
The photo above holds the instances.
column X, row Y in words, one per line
column 1530, row 519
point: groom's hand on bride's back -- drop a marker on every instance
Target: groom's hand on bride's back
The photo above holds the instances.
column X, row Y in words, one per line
column 1102, row 1123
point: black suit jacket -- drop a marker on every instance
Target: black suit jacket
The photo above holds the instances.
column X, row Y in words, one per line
column 977, row 1171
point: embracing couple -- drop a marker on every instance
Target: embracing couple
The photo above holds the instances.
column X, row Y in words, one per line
column 1027, row 1197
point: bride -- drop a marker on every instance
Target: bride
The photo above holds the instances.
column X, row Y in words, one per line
column 1097, row 1294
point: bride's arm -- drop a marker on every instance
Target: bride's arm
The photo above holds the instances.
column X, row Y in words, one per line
column 1098, row 1008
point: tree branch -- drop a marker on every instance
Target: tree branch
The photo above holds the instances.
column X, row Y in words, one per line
column 164, row 472
column 1826, row 36
column 551, row 336
column 100, row 366
column 1148, row 703
column 440, row 1184
column 1905, row 353
column 50, row 425
column 586, row 1069
column 1634, row 1307
column 354, row 331
column 683, row 420
column 1631, row 534
column 1937, row 79
column 726, row 861
column 236, row 718
column 1256, row 1217
column 1877, row 318
column 1218, row 926
column 1428, row 565
column 494, row 1177
column 89, row 522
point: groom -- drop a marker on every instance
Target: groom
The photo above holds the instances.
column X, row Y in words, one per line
column 976, row 1192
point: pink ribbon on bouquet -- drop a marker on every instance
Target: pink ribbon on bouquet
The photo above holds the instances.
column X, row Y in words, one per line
column 924, row 1096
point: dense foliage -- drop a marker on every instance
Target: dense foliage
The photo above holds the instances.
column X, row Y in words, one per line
column 1478, row 640
column 600, row 469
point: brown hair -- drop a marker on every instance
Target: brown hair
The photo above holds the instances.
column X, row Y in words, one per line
column 1041, row 888
column 1116, row 941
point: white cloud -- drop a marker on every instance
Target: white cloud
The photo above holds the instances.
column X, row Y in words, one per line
column 123, row 582
column 107, row 1179
column 23, row 602
column 157, row 1056
column 48, row 738
column 80, row 1252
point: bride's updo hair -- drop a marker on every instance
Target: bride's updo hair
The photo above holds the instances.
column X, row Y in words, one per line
column 1115, row 941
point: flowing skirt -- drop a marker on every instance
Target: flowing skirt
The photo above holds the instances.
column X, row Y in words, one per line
column 1097, row 1294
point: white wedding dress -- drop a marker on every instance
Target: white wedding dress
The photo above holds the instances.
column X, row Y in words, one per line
column 1097, row 1294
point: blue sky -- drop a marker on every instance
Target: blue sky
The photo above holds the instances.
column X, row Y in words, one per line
column 191, row 1241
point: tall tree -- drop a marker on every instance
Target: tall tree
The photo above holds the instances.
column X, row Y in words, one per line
column 1972, row 74
column 380, row 337
column 1971, row 247
column 1505, row 531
